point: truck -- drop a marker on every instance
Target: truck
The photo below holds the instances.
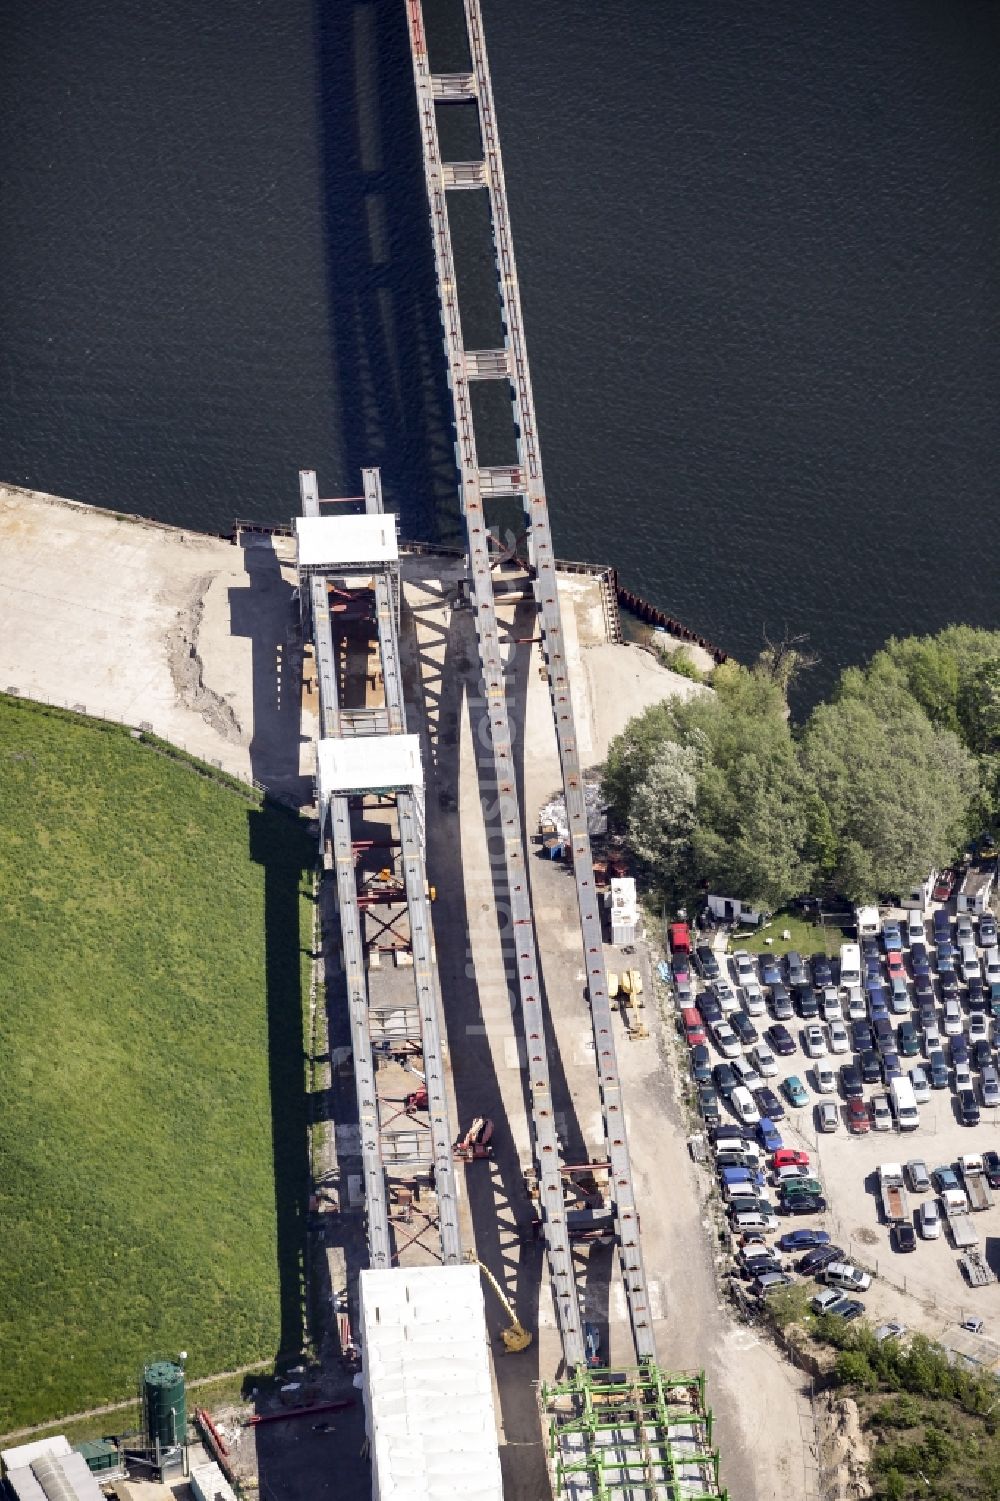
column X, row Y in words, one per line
column 893, row 1189
column 956, row 1212
column 977, row 1185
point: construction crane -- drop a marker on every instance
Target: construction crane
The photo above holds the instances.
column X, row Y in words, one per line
column 515, row 1337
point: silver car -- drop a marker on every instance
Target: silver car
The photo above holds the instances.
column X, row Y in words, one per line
column 827, row 1117
column 990, row 1085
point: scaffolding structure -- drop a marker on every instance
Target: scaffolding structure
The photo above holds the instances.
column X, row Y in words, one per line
column 630, row 1435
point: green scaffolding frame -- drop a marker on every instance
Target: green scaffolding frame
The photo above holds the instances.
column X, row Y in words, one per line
column 640, row 1433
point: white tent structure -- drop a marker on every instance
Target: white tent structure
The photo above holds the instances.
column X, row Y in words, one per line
column 428, row 1392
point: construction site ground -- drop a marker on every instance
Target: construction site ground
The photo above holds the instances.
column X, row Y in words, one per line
column 753, row 1391
column 199, row 638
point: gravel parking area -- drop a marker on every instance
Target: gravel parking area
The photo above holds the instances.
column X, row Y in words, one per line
column 924, row 1289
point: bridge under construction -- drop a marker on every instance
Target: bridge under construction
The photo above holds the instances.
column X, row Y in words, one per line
column 631, row 1432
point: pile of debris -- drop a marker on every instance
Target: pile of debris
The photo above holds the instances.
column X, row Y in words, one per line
column 553, row 813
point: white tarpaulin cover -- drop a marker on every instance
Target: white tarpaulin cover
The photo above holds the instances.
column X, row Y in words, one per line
column 339, row 541
column 358, row 763
column 428, row 1392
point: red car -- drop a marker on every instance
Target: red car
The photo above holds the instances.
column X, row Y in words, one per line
column 945, row 886
column 680, row 938
column 894, row 961
column 790, row 1157
column 858, row 1119
column 694, row 1026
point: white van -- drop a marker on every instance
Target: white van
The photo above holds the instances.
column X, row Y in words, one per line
column 915, row 932
column 904, row 1103
column 850, row 965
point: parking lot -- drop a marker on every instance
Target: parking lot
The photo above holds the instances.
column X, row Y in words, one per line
column 923, row 1288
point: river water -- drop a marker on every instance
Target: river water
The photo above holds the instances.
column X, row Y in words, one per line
column 758, row 252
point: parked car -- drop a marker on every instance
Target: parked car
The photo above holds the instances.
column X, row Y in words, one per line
column 952, row 1018
column 884, row 1036
column 945, row 886
column 850, row 1081
column 826, row 1078
column 753, row 999
column 701, row 1064
column 979, row 1028
column 726, row 996
column 744, row 1028
column 862, row 1037
column 938, row 1069
column 929, row 1219
column 830, row 1007
column 806, row 1001
column 781, row 1003
column 780, row 1039
column 764, row 1061
column 742, row 1102
column 963, row 929
column 746, row 1074
column 770, row 1282
column 991, row 1164
column 959, row 1050
column 822, row 971
column 847, row 1309
column 744, row 967
column 945, row 1179
column 813, row 1041
column 770, row 969
column 908, row 1039
column 839, row 1040
column 725, row 1079
column 857, row 1007
column 987, row 930
column 709, row 1104
column 711, row 1011
column 768, row 1134
column 963, row 1077
column 814, row 1261
column 894, row 965
column 693, row 1026
column 989, row 1085
column 919, row 959
column 845, row 1274
column 904, row 1238
column 919, row 1178
column 795, row 968
column 881, row 1114
column 891, row 1067
column 725, row 1039
column 794, row 1092
column 892, row 938
column 982, row 1055
column 870, row 1065
column 827, row 1117
column 802, row 1240
column 769, row 1104
column 804, row 1204
column 920, row 1084
column 968, row 1108
column 789, row 1157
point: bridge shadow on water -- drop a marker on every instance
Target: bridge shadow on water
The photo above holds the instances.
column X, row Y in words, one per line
column 389, row 368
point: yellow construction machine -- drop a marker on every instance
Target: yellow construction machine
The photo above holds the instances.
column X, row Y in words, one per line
column 515, row 1337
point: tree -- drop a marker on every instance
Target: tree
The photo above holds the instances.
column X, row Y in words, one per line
column 662, row 813
column 710, row 789
column 897, row 789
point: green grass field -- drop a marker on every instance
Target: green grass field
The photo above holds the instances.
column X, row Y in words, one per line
column 153, row 1159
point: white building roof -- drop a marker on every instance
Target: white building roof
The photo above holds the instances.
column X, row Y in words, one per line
column 428, row 1391
column 64, row 1475
column 209, row 1483
column 17, row 1459
column 346, row 541
column 360, row 763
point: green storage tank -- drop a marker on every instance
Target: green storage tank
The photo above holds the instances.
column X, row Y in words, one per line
column 163, row 1404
